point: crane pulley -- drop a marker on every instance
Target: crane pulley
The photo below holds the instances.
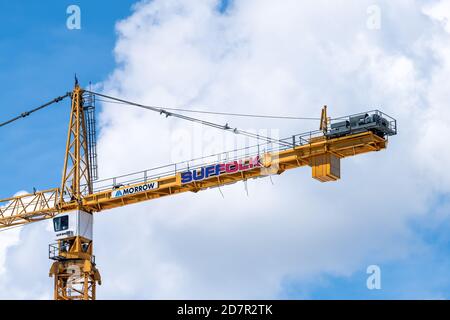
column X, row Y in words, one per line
column 72, row 206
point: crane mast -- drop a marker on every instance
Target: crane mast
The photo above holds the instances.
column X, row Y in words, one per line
column 74, row 269
column 73, row 205
column 76, row 179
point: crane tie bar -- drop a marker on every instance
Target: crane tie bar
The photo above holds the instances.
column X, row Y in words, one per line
column 27, row 113
column 162, row 111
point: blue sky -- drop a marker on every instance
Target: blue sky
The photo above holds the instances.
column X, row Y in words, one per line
column 39, row 57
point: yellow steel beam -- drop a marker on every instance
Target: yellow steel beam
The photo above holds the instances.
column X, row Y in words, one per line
column 28, row 208
column 273, row 163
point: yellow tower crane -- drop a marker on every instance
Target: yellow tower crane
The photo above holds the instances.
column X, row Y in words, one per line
column 73, row 205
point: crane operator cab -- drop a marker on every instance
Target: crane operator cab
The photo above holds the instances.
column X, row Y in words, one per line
column 74, row 267
column 73, row 231
column 73, row 224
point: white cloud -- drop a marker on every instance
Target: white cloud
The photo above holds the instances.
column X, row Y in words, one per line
column 7, row 241
column 26, row 263
column 24, row 260
column 267, row 57
column 440, row 11
column 264, row 57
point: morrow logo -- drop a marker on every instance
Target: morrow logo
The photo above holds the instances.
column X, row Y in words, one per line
column 133, row 190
